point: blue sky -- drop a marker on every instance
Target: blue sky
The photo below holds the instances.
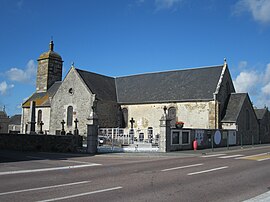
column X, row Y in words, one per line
column 123, row 37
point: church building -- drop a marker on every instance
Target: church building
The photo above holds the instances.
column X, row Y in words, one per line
column 198, row 97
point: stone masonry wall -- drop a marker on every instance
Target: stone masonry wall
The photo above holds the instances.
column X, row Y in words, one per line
column 45, row 143
column 253, row 130
column 193, row 114
column 72, row 92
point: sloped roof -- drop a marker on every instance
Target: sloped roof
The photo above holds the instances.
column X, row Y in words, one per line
column 178, row 85
column 102, row 86
column 42, row 99
column 235, row 104
column 260, row 113
column 15, row 120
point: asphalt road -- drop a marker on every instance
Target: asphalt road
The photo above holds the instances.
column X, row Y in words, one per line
column 235, row 175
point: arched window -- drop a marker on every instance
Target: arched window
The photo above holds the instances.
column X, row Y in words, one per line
column 125, row 117
column 69, row 115
column 172, row 115
column 39, row 118
column 247, row 120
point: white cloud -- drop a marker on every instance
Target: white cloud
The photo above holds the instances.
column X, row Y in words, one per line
column 4, row 87
column 266, row 78
column 26, row 75
column 246, row 82
column 260, row 9
column 242, row 64
column 166, row 4
column 266, row 89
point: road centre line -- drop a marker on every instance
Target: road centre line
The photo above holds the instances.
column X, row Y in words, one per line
column 181, row 167
column 213, row 155
column 82, row 194
column 47, row 169
column 232, row 156
column 41, row 188
column 206, row 171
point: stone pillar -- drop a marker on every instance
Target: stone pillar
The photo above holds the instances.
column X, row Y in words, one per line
column 165, row 134
column 92, row 133
column 32, row 118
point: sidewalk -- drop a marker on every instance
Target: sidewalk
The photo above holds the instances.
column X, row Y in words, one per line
column 190, row 153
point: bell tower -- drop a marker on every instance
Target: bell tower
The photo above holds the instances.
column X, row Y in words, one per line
column 49, row 69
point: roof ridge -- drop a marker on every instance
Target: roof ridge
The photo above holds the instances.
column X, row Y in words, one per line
column 173, row 70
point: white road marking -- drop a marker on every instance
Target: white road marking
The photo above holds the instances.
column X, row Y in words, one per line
column 213, row 155
column 181, row 167
column 40, row 188
column 206, row 171
column 263, row 198
column 82, row 194
column 232, row 156
column 252, row 156
column 263, row 159
column 47, row 169
column 73, row 161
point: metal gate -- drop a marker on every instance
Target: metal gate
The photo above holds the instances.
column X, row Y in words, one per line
column 121, row 139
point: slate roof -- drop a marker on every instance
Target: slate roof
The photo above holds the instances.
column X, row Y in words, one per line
column 43, row 98
column 15, row 120
column 260, row 113
column 102, row 86
column 235, row 104
column 178, row 85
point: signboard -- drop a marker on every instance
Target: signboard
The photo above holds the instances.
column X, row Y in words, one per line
column 199, row 136
column 217, row 137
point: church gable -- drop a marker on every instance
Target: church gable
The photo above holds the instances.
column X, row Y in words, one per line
column 72, row 100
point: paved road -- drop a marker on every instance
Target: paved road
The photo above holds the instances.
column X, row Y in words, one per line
column 235, row 175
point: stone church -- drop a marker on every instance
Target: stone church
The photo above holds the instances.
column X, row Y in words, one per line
column 202, row 98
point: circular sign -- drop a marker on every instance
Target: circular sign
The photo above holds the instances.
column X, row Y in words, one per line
column 217, row 137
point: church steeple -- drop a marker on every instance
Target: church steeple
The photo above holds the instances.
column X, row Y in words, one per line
column 49, row 69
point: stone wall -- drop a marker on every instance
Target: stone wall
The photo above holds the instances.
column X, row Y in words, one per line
column 193, row 114
column 264, row 125
column 72, row 92
column 248, row 135
column 107, row 114
column 45, row 143
column 225, row 88
column 45, row 119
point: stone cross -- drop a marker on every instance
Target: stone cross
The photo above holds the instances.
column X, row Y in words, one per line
column 76, row 123
column 132, row 121
column 76, row 131
column 63, row 127
column 41, row 124
column 165, row 109
column 32, row 116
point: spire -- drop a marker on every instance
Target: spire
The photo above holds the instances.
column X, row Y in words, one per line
column 225, row 61
column 51, row 45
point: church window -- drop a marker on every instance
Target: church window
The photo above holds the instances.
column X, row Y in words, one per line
column 39, row 118
column 247, row 120
column 125, row 117
column 71, row 91
column 172, row 115
column 69, row 115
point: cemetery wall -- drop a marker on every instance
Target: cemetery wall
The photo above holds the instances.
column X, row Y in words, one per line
column 44, row 143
